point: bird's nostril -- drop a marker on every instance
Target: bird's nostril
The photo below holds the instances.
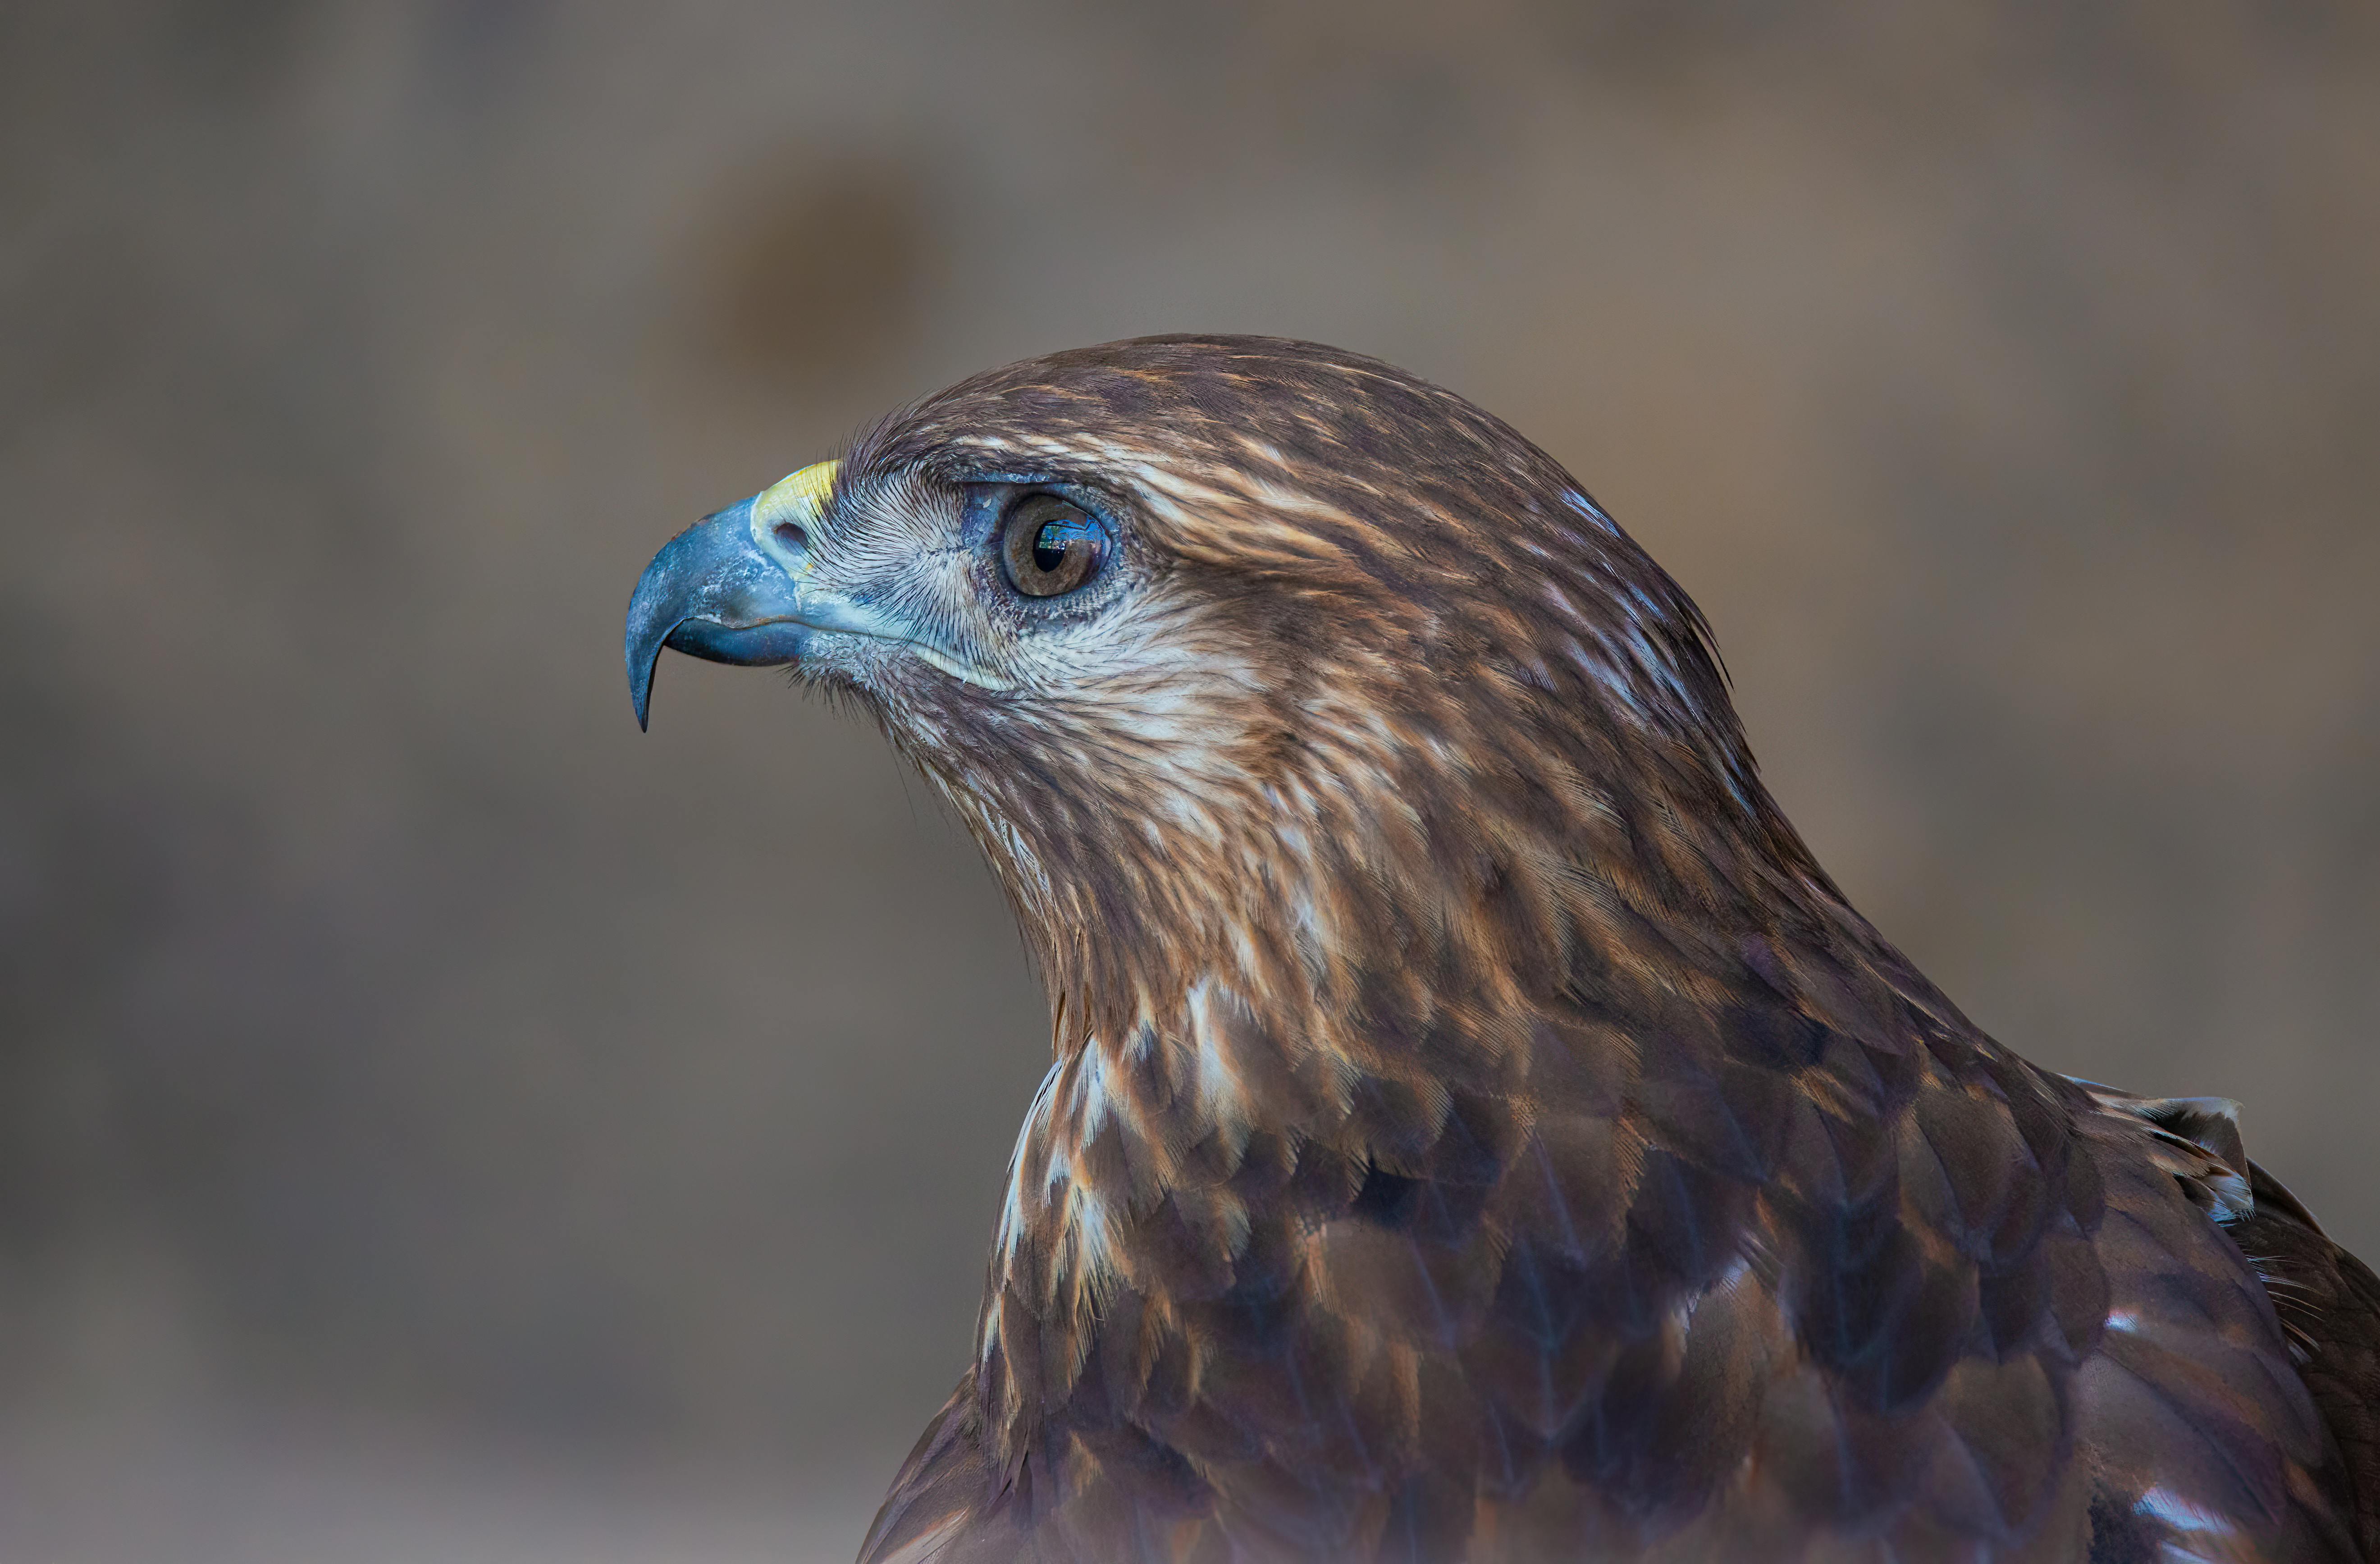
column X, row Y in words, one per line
column 792, row 535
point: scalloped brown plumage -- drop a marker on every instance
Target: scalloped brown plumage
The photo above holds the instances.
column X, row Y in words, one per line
column 1479, row 1130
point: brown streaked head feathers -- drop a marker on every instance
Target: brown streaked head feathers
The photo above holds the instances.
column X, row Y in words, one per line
column 1372, row 624
column 1478, row 1129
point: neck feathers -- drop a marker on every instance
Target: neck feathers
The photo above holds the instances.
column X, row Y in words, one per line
column 1354, row 1037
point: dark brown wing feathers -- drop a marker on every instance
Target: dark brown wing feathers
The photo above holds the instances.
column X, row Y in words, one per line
column 2328, row 1302
column 1851, row 1286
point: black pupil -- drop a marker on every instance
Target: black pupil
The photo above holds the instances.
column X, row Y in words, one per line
column 1050, row 545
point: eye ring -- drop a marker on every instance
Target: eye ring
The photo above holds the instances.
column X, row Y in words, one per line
column 1051, row 546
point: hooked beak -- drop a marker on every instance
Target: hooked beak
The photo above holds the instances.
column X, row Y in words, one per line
column 732, row 587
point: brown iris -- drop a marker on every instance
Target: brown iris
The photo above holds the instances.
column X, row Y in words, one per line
column 1050, row 546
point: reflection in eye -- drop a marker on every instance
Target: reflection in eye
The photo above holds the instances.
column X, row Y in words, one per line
column 1050, row 546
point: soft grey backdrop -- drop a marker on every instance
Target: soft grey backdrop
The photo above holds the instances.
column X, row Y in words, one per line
column 437, row 1122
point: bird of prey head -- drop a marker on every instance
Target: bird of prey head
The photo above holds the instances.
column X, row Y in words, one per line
column 1479, row 1129
column 1238, row 654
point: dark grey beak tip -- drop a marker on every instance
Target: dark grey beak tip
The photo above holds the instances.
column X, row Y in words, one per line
column 655, row 610
column 640, row 685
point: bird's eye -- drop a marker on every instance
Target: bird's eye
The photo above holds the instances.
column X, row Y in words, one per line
column 1050, row 546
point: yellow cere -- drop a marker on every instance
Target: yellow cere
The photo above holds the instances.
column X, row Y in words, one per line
column 796, row 497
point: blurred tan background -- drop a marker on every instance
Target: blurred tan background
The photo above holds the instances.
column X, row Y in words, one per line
column 437, row 1122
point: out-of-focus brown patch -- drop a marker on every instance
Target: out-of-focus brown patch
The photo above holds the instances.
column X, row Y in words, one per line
column 813, row 270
